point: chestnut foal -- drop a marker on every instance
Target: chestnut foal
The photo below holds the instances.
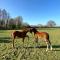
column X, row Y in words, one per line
column 42, row 35
column 21, row 34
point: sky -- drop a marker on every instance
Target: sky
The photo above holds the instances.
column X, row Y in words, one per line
column 33, row 11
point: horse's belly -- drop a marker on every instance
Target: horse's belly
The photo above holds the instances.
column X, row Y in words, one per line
column 20, row 36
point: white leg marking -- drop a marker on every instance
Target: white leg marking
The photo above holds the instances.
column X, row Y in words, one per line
column 47, row 47
column 51, row 47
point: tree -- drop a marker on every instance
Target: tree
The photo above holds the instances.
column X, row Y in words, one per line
column 51, row 23
column 11, row 23
column 25, row 24
column 4, row 16
column 18, row 21
column 40, row 25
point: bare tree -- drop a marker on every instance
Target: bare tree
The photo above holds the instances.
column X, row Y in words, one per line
column 18, row 21
column 51, row 23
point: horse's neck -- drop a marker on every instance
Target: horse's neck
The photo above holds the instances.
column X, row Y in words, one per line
column 25, row 32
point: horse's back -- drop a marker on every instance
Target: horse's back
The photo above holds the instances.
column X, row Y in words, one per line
column 41, row 34
column 20, row 34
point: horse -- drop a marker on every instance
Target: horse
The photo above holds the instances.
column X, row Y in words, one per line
column 20, row 34
column 41, row 35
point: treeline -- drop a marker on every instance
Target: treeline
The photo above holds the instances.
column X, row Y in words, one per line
column 6, row 22
column 13, row 23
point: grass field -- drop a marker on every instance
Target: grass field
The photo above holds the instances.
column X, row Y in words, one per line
column 28, row 52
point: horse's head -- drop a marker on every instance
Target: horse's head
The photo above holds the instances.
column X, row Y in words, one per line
column 33, row 30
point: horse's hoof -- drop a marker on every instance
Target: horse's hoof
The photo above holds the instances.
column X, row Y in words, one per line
column 51, row 49
column 47, row 49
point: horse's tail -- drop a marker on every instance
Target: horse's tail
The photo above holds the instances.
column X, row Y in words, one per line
column 12, row 37
column 11, row 34
column 48, row 38
column 49, row 41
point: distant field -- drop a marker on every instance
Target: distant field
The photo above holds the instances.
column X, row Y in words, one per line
column 28, row 52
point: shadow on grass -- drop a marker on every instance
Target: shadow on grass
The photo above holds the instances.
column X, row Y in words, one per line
column 5, row 40
column 54, row 46
column 36, row 47
column 31, row 47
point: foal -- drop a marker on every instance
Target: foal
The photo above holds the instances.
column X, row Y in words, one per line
column 20, row 34
column 42, row 35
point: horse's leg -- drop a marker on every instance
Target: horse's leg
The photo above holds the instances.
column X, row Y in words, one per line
column 48, row 45
column 13, row 41
column 23, row 40
column 28, row 39
column 48, row 42
column 51, row 47
column 36, row 40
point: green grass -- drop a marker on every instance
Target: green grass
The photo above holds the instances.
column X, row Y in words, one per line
column 28, row 52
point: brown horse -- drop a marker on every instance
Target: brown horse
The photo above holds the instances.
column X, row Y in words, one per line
column 21, row 34
column 42, row 35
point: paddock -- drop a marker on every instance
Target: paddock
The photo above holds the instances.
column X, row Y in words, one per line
column 28, row 52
